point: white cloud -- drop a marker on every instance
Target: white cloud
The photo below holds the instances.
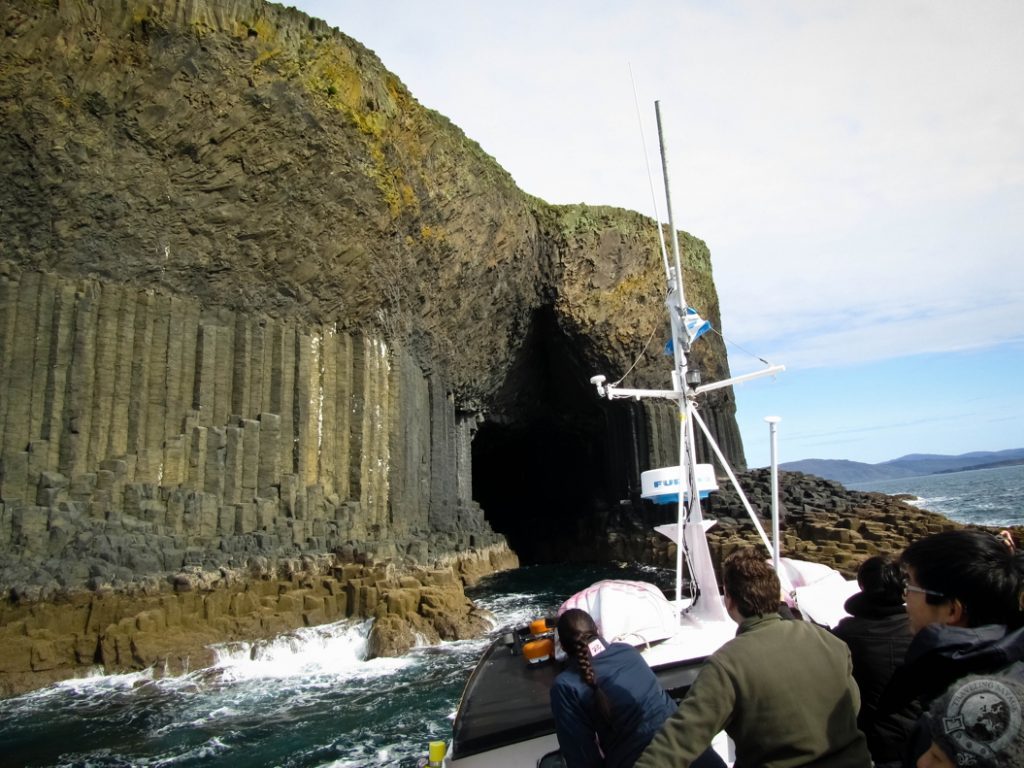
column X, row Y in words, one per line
column 886, row 335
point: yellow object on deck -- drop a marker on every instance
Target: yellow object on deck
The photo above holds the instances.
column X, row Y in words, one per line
column 435, row 753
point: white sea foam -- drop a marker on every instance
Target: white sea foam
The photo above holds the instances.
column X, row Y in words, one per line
column 986, row 496
column 305, row 659
column 512, row 609
column 213, row 748
column 334, row 650
column 95, row 684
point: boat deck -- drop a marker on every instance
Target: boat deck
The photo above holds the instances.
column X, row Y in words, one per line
column 506, row 699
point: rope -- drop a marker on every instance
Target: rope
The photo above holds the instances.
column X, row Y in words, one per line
column 638, row 359
column 741, row 349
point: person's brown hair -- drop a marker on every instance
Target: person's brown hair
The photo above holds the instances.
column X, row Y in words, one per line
column 751, row 583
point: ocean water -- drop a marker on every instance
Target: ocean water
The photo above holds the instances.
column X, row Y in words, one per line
column 308, row 698
column 981, row 496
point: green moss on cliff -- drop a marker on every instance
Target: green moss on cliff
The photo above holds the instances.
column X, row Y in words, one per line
column 276, row 164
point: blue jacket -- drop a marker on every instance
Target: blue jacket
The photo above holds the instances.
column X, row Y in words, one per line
column 639, row 706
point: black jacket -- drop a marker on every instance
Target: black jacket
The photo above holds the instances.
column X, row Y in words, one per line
column 938, row 656
column 878, row 636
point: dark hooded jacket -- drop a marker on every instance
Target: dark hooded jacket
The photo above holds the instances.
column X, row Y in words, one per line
column 878, row 634
column 938, row 656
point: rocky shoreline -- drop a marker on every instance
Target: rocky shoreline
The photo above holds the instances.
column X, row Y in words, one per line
column 171, row 626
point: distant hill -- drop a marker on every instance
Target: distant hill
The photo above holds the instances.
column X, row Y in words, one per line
column 911, row 465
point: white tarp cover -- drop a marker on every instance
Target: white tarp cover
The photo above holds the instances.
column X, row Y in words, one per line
column 818, row 591
column 633, row 612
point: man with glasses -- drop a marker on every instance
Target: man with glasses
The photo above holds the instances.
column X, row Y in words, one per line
column 963, row 592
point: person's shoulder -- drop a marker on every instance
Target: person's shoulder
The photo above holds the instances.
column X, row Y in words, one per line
column 949, row 639
column 620, row 647
column 1015, row 637
column 894, row 625
column 812, row 628
column 567, row 678
column 621, row 653
column 807, row 630
column 846, row 628
column 847, row 621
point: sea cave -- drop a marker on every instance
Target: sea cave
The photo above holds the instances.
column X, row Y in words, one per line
column 553, row 464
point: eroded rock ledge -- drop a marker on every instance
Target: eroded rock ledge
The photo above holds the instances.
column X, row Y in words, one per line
column 171, row 626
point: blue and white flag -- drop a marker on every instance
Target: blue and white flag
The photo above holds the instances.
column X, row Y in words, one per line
column 696, row 326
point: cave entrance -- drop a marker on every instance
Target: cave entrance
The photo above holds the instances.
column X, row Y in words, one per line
column 550, row 464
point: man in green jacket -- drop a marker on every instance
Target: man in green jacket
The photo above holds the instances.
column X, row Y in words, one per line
column 783, row 690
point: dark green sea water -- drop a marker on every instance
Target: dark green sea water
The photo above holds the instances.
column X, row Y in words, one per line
column 308, row 699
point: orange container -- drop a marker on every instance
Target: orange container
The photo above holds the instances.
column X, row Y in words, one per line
column 538, row 627
column 540, row 650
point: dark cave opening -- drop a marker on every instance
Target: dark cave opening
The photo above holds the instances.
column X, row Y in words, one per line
column 548, row 464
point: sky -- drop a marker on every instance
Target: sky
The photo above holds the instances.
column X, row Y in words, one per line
column 856, row 169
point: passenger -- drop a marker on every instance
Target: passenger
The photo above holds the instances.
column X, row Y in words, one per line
column 977, row 722
column 878, row 636
column 963, row 593
column 607, row 703
column 783, row 690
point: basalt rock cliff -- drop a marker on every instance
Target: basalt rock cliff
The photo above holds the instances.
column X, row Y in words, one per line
column 258, row 306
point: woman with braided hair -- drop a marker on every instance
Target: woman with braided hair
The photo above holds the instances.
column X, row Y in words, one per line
column 607, row 702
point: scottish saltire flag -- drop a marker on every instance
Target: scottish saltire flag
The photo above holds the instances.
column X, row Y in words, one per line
column 696, row 326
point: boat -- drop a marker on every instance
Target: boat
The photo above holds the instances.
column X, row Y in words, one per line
column 504, row 716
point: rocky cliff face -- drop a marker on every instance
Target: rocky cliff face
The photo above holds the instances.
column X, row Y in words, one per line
column 256, row 303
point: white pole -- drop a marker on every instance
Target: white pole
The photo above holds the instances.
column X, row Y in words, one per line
column 677, row 258
column 676, row 307
column 732, row 478
column 684, row 482
column 772, row 424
